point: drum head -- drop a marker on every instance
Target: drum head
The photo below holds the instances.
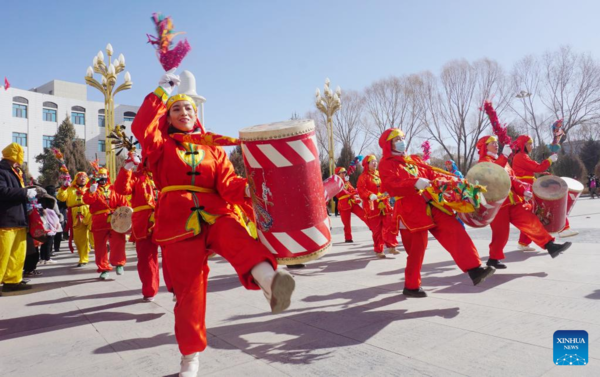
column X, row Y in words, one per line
column 121, row 220
column 550, row 187
column 573, row 184
column 493, row 177
column 278, row 130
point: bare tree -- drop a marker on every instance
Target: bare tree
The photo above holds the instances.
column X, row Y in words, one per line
column 348, row 123
column 321, row 133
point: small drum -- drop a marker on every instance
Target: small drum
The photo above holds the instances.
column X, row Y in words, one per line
column 284, row 174
column 332, row 186
column 120, row 220
column 550, row 194
column 575, row 190
column 497, row 183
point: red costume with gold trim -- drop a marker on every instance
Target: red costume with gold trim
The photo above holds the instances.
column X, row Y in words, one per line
column 415, row 214
column 144, row 196
column 102, row 204
column 194, row 216
column 378, row 213
column 347, row 205
column 512, row 210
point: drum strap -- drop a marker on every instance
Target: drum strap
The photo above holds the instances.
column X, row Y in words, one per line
column 526, row 177
column 104, row 211
column 187, row 188
column 142, row 208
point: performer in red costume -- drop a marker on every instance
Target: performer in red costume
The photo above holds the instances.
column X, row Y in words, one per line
column 406, row 178
column 513, row 211
column 378, row 211
column 194, row 216
column 103, row 201
column 348, row 204
column 144, row 195
column 525, row 169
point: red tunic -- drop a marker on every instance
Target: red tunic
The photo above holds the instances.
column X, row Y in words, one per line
column 143, row 200
column 525, row 168
column 346, row 197
column 202, row 179
column 370, row 183
column 102, row 204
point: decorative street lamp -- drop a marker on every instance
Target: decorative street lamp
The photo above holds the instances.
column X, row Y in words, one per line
column 328, row 105
column 522, row 95
column 107, row 88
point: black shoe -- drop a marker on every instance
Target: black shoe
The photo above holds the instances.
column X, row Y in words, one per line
column 496, row 264
column 294, row 266
column 414, row 292
column 15, row 287
column 479, row 274
column 349, row 241
column 79, row 265
column 554, row 249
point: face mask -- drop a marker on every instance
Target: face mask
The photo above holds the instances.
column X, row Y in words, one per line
column 102, row 181
column 399, row 146
column 346, row 178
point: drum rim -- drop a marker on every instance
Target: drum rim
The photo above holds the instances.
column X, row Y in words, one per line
column 495, row 167
column 567, row 179
column 276, row 135
column 546, row 177
column 130, row 212
column 306, row 257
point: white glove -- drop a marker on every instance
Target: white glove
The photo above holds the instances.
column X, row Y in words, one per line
column 129, row 165
column 137, row 159
column 66, row 183
column 247, row 191
column 372, row 197
column 422, row 183
column 169, row 80
column 93, row 188
column 346, row 178
column 527, row 195
column 31, row 193
column 506, row 151
column 553, row 157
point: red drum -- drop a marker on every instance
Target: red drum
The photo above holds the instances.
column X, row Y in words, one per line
column 284, row 175
column 575, row 190
column 332, row 186
column 550, row 194
column 497, row 183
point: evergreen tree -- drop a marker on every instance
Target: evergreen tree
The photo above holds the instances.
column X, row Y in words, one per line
column 72, row 149
column 344, row 160
column 590, row 154
column 569, row 166
column 237, row 160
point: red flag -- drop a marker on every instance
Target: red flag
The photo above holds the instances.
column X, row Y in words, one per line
column 6, row 83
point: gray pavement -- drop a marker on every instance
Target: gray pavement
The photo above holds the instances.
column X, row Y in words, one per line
column 348, row 317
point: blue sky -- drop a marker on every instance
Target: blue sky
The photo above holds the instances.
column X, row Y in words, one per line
column 260, row 61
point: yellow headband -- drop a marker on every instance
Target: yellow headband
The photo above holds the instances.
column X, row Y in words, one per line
column 180, row 97
column 371, row 158
column 491, row 139
column 395, row 133
column 103, row 171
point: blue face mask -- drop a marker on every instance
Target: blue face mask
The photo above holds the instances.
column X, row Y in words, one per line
column 399, row 146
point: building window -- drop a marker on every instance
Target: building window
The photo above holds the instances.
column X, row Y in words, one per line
column 20, row 138
column 78, row 118
column 48, row 141
column 19, row 111
column 101, row 121
column 49, row 115
column 128, row 116
column 101, row 146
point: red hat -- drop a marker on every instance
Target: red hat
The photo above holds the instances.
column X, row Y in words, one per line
column 385, row 140
column 521, row 141
column 339, row 170
column 482, row 144
column 367, row 159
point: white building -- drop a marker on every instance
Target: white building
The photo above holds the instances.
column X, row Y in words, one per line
column 31, row 118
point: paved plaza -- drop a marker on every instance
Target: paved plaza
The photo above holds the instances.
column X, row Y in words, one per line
column 348, row 317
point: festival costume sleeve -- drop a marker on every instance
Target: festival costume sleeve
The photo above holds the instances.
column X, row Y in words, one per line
column 62, row 194
column 398, row 182
column 89, row 198
column 523, row 165
column 501, row 160
column 124, row 182
column 362, row 186
column 12, row 194
column 146, row 122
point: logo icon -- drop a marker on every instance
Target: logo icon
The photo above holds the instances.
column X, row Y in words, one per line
column 571, row 347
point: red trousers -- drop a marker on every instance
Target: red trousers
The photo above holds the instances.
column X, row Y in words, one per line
column 117, row 249
column 147, row 266
column 187, row 265
column 346, row 215
column 524, row 240
column 450, row 234
column 521, row 218
column 382, row 228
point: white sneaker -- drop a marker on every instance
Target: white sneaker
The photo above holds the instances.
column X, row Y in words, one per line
column 392, row 250
column 190, row 364
column 51, row 261
column 525, row 248
column 282, row 287
column 568, row 233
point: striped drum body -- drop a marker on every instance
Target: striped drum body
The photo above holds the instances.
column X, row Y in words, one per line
column 284, row 174
column 550, row 193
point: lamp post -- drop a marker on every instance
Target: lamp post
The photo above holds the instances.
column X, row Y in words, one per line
column 328, row 105
column 107, row 88
column 522, row 95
